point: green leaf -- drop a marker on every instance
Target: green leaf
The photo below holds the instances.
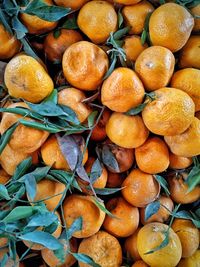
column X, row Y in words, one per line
column 163, row 183
column 48, row 109
column 101, row 207
column 162, row 2
column 42, row 219
column 109, row 159
column 120, row 33
column 53, row 97
column 4, row 260
column 6, row 136
column 42, row 238
column 193, row 178
column 4, row 192
column 19, row 28
column 22, row 111
column 96, row 171
column 70, row 115
column 20, row 212
column 164, row 243
column 137, row 110
column 144, row 37
column 85, row 259
column 111, row 68
column 22, row 167
column 4, row 21
column 12, row 250
column 183, row 214
column 60, row 254
column 70, row 24
column 91, row 118
column 47, row 12
column 106, row 191
column 120, row 18
column 28, row 49
column 76, row 226
column 31, row 185
column 151, row 209
column 40, row 126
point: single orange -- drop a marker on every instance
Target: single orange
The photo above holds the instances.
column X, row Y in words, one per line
column 196, row 12
column 179, row 189
column 186, row 144
column 73, row 98
column 155, row 66
column 153, row 156
column 188, row 80
column 4, row 176
column 122, row 90
column 54, row 47
column 171, row 112
column 151, row 236
column 178, row 162
column 130, row 246
column 126, row 131
column 115, row 179
column 97, row 19
column 103, row 248
column 162, row 215
column 76, row 206
column 127, row 218
column 71, row 3
column 136, row 188
column 135, row 15
column 126, row 2
column 190, row 261
column 140, row 263
column 88, row 71
column 188, row 235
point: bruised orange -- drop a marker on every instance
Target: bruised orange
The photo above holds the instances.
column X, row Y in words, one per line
column 122, row 90
column 115, row 179
column 178, row 162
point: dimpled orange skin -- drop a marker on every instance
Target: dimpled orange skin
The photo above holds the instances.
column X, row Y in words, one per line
column 178, row 162
column 192, row 261
column 4, row 177
column 133, row 47
column 97, row 19
column 76, row 206
column 73, row 4
column 26, row 78
column 134, row 16
column 126, row 131
column 54, row 48
column 126, row 2
column 87, row 72
column 179, row 189
column 196, row 11
column 36, row 25
column 122, row 90
column 127, row 220
column 190, row 54
column 162, row 214
column 73, row 98
column 153, row 156
column 140, row 188
column 171, row 112
column 130, row 246
column 9, row 45
column 150, row 236
column 188, row 80
column 140, row 264
column 103, row 248
column 186, row 144
column 24, row 139
column 170, row 26
column 155, row 66
column 188, row 235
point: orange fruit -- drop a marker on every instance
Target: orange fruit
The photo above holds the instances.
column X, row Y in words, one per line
column 135, row 188
column 140, row 264
column 53, row 156
column 165, row 29
column 135, row 15
column 73, row 98
column 24, row 139
column 56, row 234
column 133, row 47
column 150, row 236
column 155, row 66
column 49, row 257
column 99, row 131
column 188, row 80
column 179, row 189
column 153, row 156
column 190, row 54
column 186, row 144
column 171, row 112
column 178, row 162
column 130, row 246
column 3, row 242
column 103, row 248
column 188, row 235
column 76, row 206
column 4, row 176
column 122, row 90
column 127, row 218
column 192, row 261
column 196, row 11
column 97, row 19
column 162, row 214
column 54, row 47
column 115, row 179
column 126, row 131
column 36, row 25
column 71, row 3
column 50, row 197
column 29, row 80
column 126, row 2
column 86, row 73
column 9, row 45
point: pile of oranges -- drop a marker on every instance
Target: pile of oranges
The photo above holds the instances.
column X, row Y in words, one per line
column 106, row 100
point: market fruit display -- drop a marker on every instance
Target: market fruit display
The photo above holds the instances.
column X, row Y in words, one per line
column 100, row 133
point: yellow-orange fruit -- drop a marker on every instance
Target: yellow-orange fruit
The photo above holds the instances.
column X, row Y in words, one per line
column 196, row 12
column 4, row 176
column 130, row 246
column 178, row 162
column 190, row 261
column 73, row 4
